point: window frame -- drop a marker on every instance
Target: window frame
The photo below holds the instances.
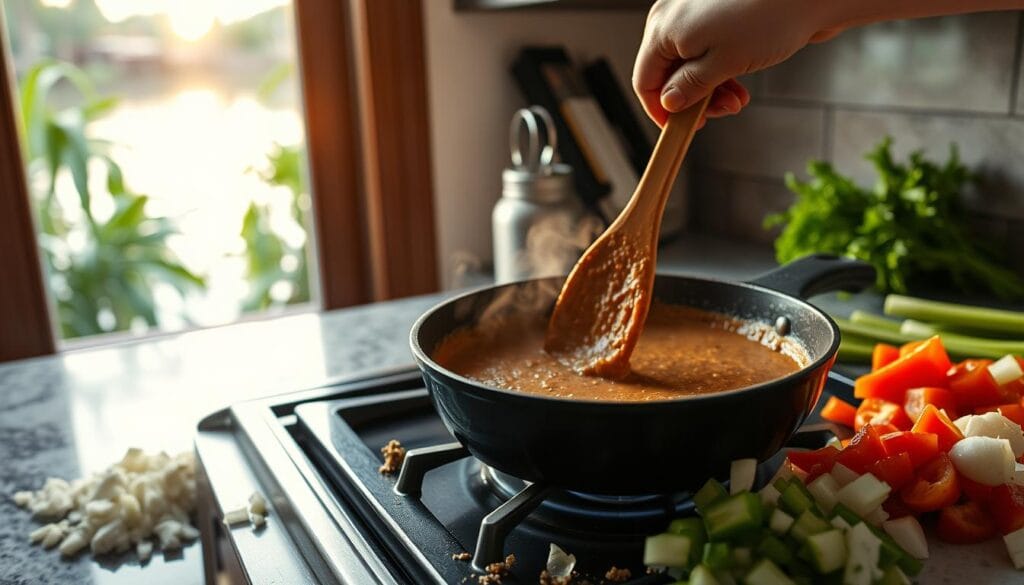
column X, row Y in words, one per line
column 364, row 92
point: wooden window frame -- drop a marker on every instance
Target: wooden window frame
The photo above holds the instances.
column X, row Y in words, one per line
column 365, row 101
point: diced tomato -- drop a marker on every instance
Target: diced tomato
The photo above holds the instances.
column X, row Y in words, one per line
column 1007, row 506
column 895, row 470
column 910, row 347
column 814, row 463
column 883, row 355
column 965, row 524
column 933, row 420
column 1014, row 412
column 934, row 487
column 863, row 450
column 925, row 366
column 894, row 506
column 974, row 491
column 881, row 412
column 922, row 447
column 917, row 398
column 972, row 385
column 839, row 411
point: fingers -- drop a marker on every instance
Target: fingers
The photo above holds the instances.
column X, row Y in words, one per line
column 650, row 71
column 692, row 81
column 728, row 99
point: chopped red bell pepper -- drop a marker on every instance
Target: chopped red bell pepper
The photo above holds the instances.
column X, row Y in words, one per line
column 925, row 366
column 881, row 412
column 933, row 420
column 1014, row 412
column 818, row 461
column 974, row 491
column 839, row 411
column 965, row 524
column 894, row 506
column 935, row 486
column 883, row 355
column 910, row 346
column 921, row 447
column 917, row 398
column 972, row 385
column 863, row 450
column 1007, row 506
column 895, row 470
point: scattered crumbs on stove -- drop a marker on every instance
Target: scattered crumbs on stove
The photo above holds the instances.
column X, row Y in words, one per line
column 394, row 454
column 495, row 571
column 617, row 575
column 547, row 579
column 462, row 556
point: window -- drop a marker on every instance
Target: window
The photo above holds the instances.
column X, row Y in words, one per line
column 361, row 69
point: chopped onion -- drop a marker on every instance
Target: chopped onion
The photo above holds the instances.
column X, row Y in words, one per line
column 1015, row 546
column 907, row 533
column 560, row 563
column 843, row 474
column 1005, row 370
column 741, row 475
column 995, row 425
column 986, row 460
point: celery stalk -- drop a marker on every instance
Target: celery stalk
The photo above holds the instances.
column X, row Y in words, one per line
column 982, row 318
column 877, row 321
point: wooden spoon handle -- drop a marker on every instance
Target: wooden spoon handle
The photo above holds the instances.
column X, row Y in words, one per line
column 666, row 159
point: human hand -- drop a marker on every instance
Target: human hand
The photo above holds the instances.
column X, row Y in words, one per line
column 694, row 47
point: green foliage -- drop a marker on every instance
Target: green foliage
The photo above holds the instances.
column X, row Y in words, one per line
column 102, row 267
column 910, row 227
column 270, row 261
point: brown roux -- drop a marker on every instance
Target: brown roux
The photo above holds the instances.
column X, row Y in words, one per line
column 682, row 351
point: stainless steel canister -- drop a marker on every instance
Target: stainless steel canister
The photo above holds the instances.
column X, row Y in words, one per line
column 539, row 225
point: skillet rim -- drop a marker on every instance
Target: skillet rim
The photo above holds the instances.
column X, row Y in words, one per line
column 828, row 356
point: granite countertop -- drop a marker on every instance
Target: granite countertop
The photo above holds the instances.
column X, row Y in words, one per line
column 75, row 413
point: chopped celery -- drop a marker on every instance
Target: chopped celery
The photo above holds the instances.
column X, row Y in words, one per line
column 769, row 495
column 694, row 529
column 824, row 489
column 766, row 572
column 780, row 522
column 806, row 525
column 712, row 491
column 864, row 494
column 828, row 550
column 846, row 514
column 702, row 575
column 773, row 548
column 717, row 555
column 734, row 516
column 667, row 550
column 795, row 499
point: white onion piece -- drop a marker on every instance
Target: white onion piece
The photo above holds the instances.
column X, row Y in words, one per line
column 1005, row 370
column 995, row 425
column 741, row 475
column 560, row 563
column 907, row 533
column 986, row 460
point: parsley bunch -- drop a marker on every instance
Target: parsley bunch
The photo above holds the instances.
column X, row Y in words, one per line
column 911, row 226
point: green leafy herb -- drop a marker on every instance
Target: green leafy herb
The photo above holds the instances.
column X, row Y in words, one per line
column 910, row 226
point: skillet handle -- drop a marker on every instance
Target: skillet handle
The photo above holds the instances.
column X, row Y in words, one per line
column 816, row 274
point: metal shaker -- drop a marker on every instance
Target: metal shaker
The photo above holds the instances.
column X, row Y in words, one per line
column 540, row 227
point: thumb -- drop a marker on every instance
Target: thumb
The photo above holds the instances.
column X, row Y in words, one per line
column 693, row 80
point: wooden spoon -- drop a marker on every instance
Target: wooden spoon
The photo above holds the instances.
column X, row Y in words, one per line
column 603, row 304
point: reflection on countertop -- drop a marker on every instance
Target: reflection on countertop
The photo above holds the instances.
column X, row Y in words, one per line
column 76, row 413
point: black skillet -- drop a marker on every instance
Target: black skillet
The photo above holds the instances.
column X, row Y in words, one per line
column 623, row 448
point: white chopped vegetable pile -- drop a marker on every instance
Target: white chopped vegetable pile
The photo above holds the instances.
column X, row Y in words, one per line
column 143, row 501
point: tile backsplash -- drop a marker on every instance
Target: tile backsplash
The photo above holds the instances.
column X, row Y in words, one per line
column 925, row 83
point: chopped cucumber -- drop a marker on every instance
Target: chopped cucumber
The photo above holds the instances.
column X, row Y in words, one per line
column 909, row 535
column 892, row 554
column 864, row 494
column 741, row 475
column 780, row 522
column 824, row 489
column 694, row 529
column 848, row 515
column 766, row 572
column 667, row 550
column 712, row 491
column 735, row 516
column 795, row 498
column 807, row 524
column 773, row 548
column 702, row 575
column 828, row 550
column 862, row 562
column 717, row 555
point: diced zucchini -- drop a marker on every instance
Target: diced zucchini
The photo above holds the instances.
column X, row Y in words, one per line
column 769, row 495
column 741, row 475
column 862, row 561
column 766, row 572
column 717, row 556
column 773, row 548
column 828, row 550
column 846, row 514
column 864, row 494
column 694, row 529
column 806, row 525
column 734, row 516
column 702, row 575
column 893, row 576
column 824, row 489
column 667, row 550
column 711, row 492
column 909, row 535
column 891, row 553
column 780, row 522
column 795, row 498
column 780, row 484
column 843, row 474
column 1015, row 547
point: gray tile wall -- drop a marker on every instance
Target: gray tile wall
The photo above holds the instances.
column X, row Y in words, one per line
column 926, row 83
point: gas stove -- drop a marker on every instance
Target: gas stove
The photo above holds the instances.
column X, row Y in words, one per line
column 335, row 518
